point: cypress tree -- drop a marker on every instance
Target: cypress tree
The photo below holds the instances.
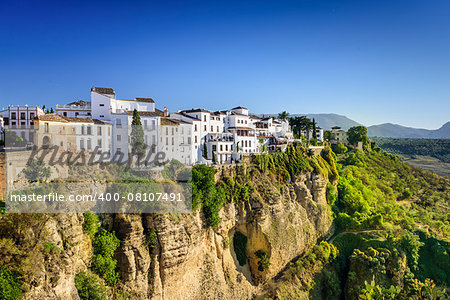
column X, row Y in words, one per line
column 137, row 135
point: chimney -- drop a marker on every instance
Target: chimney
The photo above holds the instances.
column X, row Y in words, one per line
column 166, row 112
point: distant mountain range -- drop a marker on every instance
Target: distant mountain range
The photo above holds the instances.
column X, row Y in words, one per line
column 398, row 131
column 326, row 121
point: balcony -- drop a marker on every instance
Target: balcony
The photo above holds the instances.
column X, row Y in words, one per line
column 220, row 138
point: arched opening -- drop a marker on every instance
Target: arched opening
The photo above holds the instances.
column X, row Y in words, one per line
column 45, row 142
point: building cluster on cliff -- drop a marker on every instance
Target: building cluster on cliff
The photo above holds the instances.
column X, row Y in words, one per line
column 190, row 136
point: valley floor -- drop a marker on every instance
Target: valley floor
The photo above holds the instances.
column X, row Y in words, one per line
column 429, row 163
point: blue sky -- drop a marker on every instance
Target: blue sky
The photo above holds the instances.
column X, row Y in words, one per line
column 373, row 61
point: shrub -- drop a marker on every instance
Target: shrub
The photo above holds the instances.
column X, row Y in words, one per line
column 206, row 195
column 91, row 224
column 36, row 170
column 264, row 262
column 332, row 284
column 10, row 284
column 89, row 287
column 103, row 263
column 152, row 239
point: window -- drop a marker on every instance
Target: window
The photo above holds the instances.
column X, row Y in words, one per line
column 81, row 144
column 189, row 140
column 89, row 146
column 22, row 115
column 214, row 148
column 167, row 141
column 109, row 131
column 153, row 124
column 13, row 116
column 195, row 127
column 173, row 141
column 145, row 123
column 82, row 129
column 153, row 140
column 226, row 147
column 204, row 118
column 102, row 116
column 119, row 150
column 22, row 123
column 99, row 130
column 195, row 139
column 89, row 130
column 173, row 131
column 221, row 148
column 65, row 114
column 212, row 128
column 46, row 127
column 249, row 143
column 245, row 143
column 119, row 138
column 76, row 114
column 167, row 130
column 119, row 123
column 205, row 127
column 99, row 143
column 102, row 104
column 217, row 128
column 31, row 115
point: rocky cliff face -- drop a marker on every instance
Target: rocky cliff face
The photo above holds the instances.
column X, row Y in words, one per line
column 191, row 260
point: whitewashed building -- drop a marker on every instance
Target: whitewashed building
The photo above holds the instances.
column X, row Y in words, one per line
column 76, row 109
column 176, row 140
column 20, row 119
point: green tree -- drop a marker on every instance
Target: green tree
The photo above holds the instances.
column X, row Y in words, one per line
column 213, row 157
column 103, row 262
column 284, row 115
column 36, row 171
column 327, row 135
column 299, row 124
column 10, row 285
column 358, row 134
column 137, row 135
column 205, row 151
column 339, row 148
column 91, row 223
column 89, row 287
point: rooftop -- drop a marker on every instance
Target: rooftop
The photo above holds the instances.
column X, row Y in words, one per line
column 103, row 90
column 60, row 118
column 148, row 100
column 196, row 110
column 79, row 103
column 240, row 107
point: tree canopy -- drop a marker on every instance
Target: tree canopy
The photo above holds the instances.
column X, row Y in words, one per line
column 137, row 135
column 358, row 134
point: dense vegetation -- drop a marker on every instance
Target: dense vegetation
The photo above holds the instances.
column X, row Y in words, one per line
column 377, row 189
column 438, row 148
column 392, row 234
column 239, row 188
